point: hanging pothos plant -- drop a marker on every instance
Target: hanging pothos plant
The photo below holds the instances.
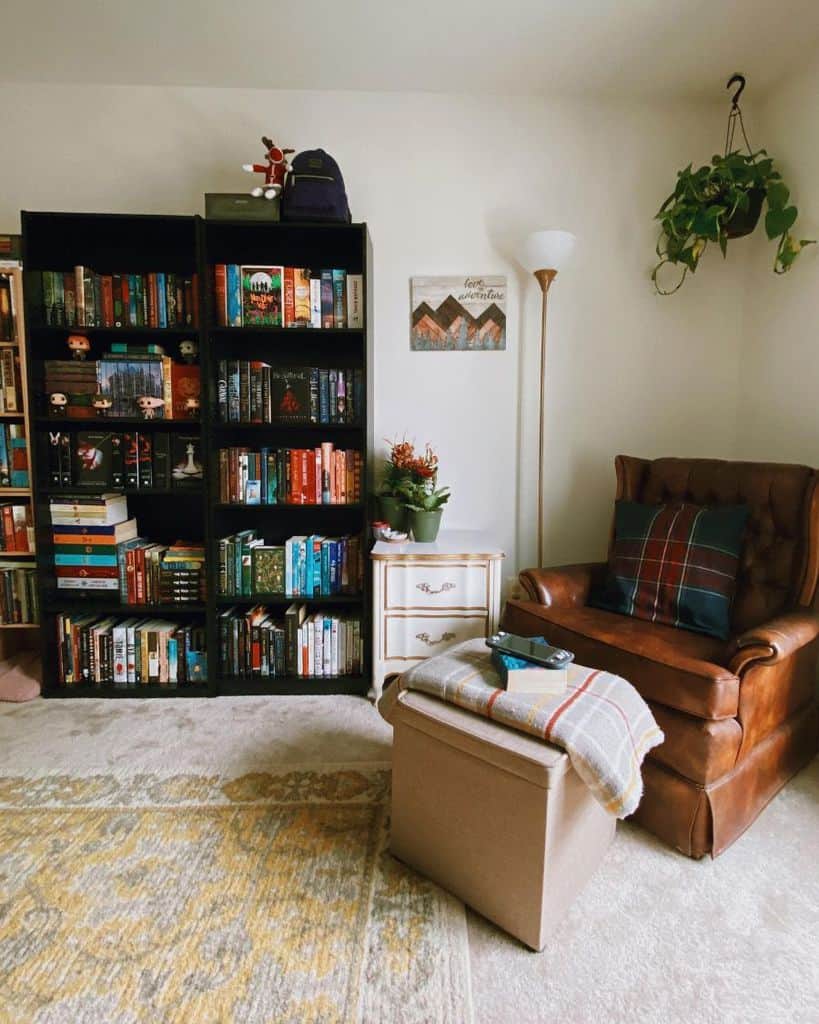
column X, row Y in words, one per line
column 723, row 200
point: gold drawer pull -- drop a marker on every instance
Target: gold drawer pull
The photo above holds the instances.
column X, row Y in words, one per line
column 424, row 638
column 425, row 588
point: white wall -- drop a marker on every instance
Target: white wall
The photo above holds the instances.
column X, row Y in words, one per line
column 444, row 183
column 779, row 384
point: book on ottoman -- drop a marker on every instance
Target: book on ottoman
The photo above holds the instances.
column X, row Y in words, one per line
column 517, row 675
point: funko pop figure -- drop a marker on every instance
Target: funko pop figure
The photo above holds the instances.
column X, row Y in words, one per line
column 58, row 401
column 101, row 404
column 148, row 405
column 189, row 350
column 78, row 345
column 192, row 407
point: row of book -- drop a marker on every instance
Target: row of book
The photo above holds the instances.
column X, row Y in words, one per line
column 313, row 566
column 255, row 643
column 13, row 455
column 134, row 460
column 271, row 296
column 18, row 594
column 109, row 651
column 290, row 476
column 8, row 314
column 11, row 385
column 97, row 549
column 84, row 298
column 16, row 528
column 255, row 392
column 128, row 380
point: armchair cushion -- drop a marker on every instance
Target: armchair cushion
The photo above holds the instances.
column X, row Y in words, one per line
column 675, row 564
column 681, row 670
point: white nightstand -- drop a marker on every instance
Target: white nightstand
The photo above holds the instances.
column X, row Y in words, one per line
column 427, row 597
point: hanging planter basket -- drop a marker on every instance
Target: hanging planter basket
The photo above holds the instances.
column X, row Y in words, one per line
column 722, row 201
column 743, row 222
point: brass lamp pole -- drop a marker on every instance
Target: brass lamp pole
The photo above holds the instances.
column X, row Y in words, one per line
column 544, row 253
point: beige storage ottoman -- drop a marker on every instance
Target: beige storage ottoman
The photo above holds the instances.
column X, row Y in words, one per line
column 497, row 817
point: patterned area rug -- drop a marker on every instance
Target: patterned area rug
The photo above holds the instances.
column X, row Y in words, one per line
column 191, row 898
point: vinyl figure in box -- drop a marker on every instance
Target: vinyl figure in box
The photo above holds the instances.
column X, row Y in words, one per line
column 148, row 405
column 79, row 345
column 189, row 350
column 192, row 407
column 274, row 170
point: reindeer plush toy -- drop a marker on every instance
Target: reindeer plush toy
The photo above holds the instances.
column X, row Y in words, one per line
column 274, row 170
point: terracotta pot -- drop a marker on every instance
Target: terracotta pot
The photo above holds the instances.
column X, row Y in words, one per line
column 394, row 512
column 744, row 221
column 425, row 525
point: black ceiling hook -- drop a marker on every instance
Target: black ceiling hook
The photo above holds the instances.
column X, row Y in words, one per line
column 732, row 81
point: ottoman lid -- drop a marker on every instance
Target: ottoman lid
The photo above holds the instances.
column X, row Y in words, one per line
column 535, row 760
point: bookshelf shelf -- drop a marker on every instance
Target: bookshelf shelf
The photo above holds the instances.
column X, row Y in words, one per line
column 292, row 685
column 118, row 332
column 17, row 636
column 98, row 422
column 188, row 245
column 95, row 605
column 141, row 691
column 312, row 602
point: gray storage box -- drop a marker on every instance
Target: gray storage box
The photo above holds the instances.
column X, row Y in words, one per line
column 240, row 206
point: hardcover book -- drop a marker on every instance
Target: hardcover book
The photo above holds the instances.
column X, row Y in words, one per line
column 290, row 396
column 267, row 570
column 262, row 296
column 186, row 453
column 92, row 458
column 520, row 676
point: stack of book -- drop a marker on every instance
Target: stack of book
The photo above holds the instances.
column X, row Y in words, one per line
column 153, row 573
column 127, row 653
column 134, row 460
column 182, row 574
column 290, row 476
column 8, row 330
column 76, row 379
column 83, row 298
column 255, row 392
column 274, row 296
column 323, row 645
column 313, row 566
column 11, row 393
column 86, row 530
column 13, row 455
column 16, row 528
column 18, row 594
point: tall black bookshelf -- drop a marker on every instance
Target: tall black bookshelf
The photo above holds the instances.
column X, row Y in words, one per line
column 145, row 243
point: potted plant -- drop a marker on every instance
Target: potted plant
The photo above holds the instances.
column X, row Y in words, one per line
column 422, row 499
column 720, row 201
column 397, row 477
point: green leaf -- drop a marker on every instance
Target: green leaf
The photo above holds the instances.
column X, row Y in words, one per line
column 723, row 243
column 778, row 195
column 777, row 222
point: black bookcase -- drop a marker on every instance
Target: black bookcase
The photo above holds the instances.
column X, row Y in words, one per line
column 144, row 243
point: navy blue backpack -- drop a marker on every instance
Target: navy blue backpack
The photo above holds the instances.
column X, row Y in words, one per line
column 314, row 189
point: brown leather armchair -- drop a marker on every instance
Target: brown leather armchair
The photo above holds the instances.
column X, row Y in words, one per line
column 740, row 717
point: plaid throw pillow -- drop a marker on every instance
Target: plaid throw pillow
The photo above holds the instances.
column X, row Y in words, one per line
column 675, row 564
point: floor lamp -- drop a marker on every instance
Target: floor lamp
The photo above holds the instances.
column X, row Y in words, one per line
column 544, row 253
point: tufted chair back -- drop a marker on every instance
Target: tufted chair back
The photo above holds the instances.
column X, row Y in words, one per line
column 780, row 559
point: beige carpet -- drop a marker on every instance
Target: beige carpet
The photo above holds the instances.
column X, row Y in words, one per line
column 654, row 938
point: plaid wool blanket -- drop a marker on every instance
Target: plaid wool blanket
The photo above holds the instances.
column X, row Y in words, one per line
column 601, row 721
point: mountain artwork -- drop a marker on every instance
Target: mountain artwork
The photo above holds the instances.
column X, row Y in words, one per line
column 465, row 314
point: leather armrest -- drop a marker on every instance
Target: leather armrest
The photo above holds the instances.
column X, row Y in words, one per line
column 775, row 640
column 566, row 585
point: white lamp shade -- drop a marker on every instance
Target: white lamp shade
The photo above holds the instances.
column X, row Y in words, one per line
column 547, row 250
